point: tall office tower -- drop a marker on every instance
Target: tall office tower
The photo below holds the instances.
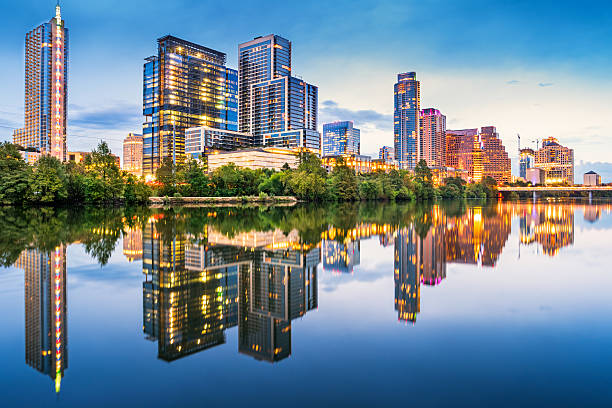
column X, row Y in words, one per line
column 496, row 163
column 526, row 161
column 556, row 160
column 407, row 275
column 260, row 60
column 132, row 154
column 432, row 141
column 185, row 85
column 407, row 105
column 341, row 138
column 271, row 100
column 464, row 151
column 46, row 335
column 386, row 153
column 46, row 88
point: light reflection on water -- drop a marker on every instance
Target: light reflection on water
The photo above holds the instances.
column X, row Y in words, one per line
column 206, row 271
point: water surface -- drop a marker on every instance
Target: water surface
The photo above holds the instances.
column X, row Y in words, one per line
column 506, row 304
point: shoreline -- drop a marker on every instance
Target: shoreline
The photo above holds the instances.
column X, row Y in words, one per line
column 222, row 201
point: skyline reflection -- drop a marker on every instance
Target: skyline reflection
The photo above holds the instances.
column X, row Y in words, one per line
column 259, row 270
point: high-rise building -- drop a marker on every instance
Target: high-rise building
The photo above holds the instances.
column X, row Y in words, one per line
column 496, row 163
column 271, row 100
column 341, row 138
column 526, row 161
column 46, row 335
column 407, row 105
column 200, row 141
column 386, row 153
column 464, row 151
column 556, row 160
column 185, row 85
column 432, row 140
column 132, row 154
column 46, row 88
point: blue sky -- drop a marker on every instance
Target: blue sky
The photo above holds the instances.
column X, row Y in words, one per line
column 535, row 68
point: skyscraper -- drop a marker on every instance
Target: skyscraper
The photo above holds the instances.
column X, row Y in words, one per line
column 496, row 163
column 556, row 160
column 46, row 88
column 432, row 140
column 386, row 153
column 464, row 151
column 341, row 138
column 132, row 154
column 185, row 85
column 271, row 100
column 407, row 105
column 46, row 337
column 526, row 161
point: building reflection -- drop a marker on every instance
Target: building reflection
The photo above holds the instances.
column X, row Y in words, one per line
column 132, row 244
column 196, row 288
column 46, row 332
column 549, row 225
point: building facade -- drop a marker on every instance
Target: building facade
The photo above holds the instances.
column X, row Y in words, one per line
column 591, row 179
column 271, row 99
column 132, row 154
column 386, row 153
column 46, row 89
column 300, row 139
column 432, row 140
column 341, row 138
column 407, row 105
column 557, row 161
column 185, row 85
column 464, row 151
column 200, row 141
column 526, row 161
column 255, row 158
column 496, row 163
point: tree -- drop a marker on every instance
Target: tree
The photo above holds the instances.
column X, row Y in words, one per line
column 344, row 182
column 48, row 183
column 14, row 175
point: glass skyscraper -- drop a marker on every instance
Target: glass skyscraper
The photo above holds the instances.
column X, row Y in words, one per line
column 341, row 138
column 46, row 88
column 407, row 105
column 185, row 85
column 271, row 100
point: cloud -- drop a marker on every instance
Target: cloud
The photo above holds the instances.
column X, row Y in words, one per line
column 545, row 84
column 330, row 111
column 513, row 82
column 118, row 116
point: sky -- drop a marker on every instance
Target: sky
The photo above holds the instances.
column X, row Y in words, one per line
column 534, row 68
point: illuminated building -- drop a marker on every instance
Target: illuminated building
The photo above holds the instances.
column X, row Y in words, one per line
column 386, row 153
column 185, row 85
column 496, row 163
column 30, row 157
column 46, row 333
column 46, row 89
column 76, row 157
column 132, row 154
column 592, row 179
column 526, row 161
column 407, row 105
column 464, row 151
column 340, row 138
column 300, row 139
column 432, row 140
column 132, row 244
column 359, row 163
column 201, row 141
column 271, row 100
column 382, row 165
column 406, row 275
column 535, row 176
column 557, row 161
column 255, row 158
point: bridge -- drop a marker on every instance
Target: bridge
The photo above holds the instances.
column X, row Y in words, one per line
column 541, row 189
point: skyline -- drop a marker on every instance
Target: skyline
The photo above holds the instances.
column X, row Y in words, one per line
column 535, row 65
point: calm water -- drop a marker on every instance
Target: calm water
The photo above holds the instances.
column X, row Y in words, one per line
column 363, row 305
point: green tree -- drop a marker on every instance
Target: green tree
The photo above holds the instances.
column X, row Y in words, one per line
column 48, row 183
column 344, row 182
column 14, row 175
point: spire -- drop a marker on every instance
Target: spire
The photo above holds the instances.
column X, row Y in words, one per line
column 58, row 13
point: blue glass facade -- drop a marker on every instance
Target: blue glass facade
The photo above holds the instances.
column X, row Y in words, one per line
column 291, row 139
column 185, row 85
column 407, row 105
column 341, row 138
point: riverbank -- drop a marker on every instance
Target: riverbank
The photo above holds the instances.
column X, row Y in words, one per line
column 221, row 201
